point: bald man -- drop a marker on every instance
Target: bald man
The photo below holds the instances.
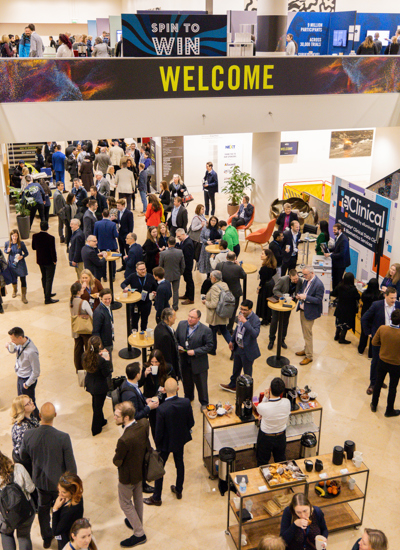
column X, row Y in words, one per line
column 51, row 454
column 174, row 422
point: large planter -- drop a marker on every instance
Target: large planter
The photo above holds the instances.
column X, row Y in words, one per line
column 24, row 226
column 232, row 209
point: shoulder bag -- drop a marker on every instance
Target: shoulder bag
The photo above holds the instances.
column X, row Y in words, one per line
column 81, row 323
column 153, row 464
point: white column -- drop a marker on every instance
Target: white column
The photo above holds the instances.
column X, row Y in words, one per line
column 271, row 27
column 4, row 201
column 265, row 170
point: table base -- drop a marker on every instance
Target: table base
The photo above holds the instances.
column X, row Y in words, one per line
column 277, row 363
column 115, row 305
column 126, row 353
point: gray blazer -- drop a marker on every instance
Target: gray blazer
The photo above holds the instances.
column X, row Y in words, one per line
column 282, row 286
column 201, row 342
column 173, row 262
column 231, row 275
column 51, row 454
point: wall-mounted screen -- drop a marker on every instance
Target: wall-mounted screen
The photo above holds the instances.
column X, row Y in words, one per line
column 384, row 36
column 119, row 35
column 340, row 39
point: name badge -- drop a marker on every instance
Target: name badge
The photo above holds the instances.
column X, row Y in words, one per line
column 187, row 344
column 239, row 337
column 144, row 295
column 135, row 309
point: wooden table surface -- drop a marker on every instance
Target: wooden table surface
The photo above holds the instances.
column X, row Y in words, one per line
column 129, row 297
column 249, row 268
column 279, row 307
column 135, row 342
column 111, row 258
column 213, row 249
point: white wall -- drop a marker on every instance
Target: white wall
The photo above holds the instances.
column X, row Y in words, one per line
column 368, row 6
column 131, row 6
column 313, row 162
column 386, row 153
column 220, row 7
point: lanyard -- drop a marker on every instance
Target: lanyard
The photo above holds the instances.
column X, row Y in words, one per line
column 22, row 349
column 142, row 283
column 109, row 313
column 194, row 330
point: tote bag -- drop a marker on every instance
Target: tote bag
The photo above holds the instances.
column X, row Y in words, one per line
column 81, row 324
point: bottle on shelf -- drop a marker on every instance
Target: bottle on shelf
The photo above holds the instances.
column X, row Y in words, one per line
column 242, row 485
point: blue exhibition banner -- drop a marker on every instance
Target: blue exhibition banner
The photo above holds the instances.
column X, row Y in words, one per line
column 311, row 31
column 161, row 35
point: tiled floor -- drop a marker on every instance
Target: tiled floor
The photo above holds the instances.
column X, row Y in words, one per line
column 198, row 521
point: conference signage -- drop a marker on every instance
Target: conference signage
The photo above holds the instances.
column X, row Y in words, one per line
column 361, row 217
column 91, row 79
column 289, row 148
column 172, row 157
column 160, row 35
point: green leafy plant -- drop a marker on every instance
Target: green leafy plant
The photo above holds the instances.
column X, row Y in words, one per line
column 23, row 202
column 237, row 184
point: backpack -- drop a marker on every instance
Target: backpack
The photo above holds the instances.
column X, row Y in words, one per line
column 15, row 508
column 116, row 392
column 226, row 304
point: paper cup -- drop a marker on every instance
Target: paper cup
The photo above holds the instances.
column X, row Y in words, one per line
column 236, row 501
column 351, row 483
column 11, row 347
column 154, row 369
column 320, row 542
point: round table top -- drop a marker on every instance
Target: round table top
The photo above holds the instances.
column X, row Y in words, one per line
column 111, row 258
column 308, row 240
column 249, row 268
column 279, row 307
column 128, row 297
column 213, row 249
column 135, row 341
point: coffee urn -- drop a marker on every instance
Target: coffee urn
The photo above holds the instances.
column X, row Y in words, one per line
column 244, row 391
column 289, row 376
column 308, row 444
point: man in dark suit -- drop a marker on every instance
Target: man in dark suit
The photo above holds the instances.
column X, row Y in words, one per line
column 107, row 233
column 79, row 191
column 187, row 247
column 291, row 238
column 178, row 217
column 288, row 284
column 76, row 244
column 129, row 458
column 286, row 217
column 125, row 226
column 244, row 214
column 232, row 272
column 89, row 218
column 103, row 321
column 91, row 257
column 174, row 422
column 164, row 292
column 195, row 342
column 310, row 306
column 36, row 192
column 100, row 199
column 146, row 284
column 46, row 258
column 276, row 246
column 59, row 204
column 172, row 260
column 340, row 255
column 377, row 315
column 210, row 187
column 165, row 341
column 135, row 255
column 51, row 454
column 244, row 344
column 130, row 391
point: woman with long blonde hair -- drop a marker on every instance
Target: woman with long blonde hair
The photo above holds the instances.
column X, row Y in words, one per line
column 392, row 278
column 91, row 288
column 22, row 419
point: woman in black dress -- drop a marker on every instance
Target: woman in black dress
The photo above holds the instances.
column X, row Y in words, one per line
column 96, row 362
column 266, row 285
column 370, row 295
column 151, row 249
column 347, row 307
column 67, row 508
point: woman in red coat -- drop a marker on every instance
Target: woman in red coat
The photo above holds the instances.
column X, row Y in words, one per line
column 154, row 211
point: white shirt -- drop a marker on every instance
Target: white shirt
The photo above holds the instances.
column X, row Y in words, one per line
column 388, row 313
column 275, row 415
column 295, row 248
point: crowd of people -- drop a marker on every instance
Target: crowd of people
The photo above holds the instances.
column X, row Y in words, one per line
column 92, row 224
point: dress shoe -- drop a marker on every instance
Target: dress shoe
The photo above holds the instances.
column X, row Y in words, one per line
column 394, row 412
column 370, row 390
column 178, row 495
column 1, row 309
column 53, row 294
column 271, row 344
column 104, row 423
column 47, row 543
column 128, row 523
column 148, row 489
column 372, row 407
column 284, row 344
column 51, row 301
column 120, row 269
column 151, row 502
column 305, row 361
column 62, row 240
column 133, row 541
column 182, row 297
column 105, row 279
column 226, row 387
column 187, row 302
column 384, row 386
column 301, row 353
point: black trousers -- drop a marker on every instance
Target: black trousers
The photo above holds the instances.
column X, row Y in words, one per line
column 209, row 197
column 237, row 222
column 188, row 278
column 191, row 380
column 180, row 473
column 48, row 272
column 287, row 265
column 46, row 501
column 232, row 319
column 363, row 343
column 128, row 197
column 240, row 362
column 37, row 208
column 143, row 312
column 274, row 325
column 374, row 365
column 98, row 416
column 337, row 275
column 236, row 250
column 267, row 444
column 394, row 376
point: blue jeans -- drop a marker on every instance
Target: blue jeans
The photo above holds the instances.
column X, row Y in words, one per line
column 144, row 199
column 60, row 176
column 224, row 331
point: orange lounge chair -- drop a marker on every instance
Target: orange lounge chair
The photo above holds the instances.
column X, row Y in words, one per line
column 244, row 227
column 261, row 236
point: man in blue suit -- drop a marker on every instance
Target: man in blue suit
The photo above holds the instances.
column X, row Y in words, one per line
column 107, row 234
column 135, row 254
column 377, row 315
column 125, row 221
column 244, row 344
column 58, row 162
column 340, row 255
column 210, row 187
column 310, row 306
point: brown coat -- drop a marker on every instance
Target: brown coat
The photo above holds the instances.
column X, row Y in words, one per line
column 130, row 451
column 212, row 298
column 97, row 287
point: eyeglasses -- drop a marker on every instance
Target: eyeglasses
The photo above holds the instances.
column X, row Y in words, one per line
column 30, row 402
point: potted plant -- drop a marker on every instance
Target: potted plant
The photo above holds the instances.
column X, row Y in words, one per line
column 23, row 205
column 235, row 187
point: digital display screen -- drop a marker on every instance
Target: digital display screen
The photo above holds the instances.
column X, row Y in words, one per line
column 340, row 39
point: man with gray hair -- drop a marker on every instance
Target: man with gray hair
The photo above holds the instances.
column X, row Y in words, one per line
column 215, row 322
column 102, row 161
column 102, row 184
column 76, row 244
column 310, row 306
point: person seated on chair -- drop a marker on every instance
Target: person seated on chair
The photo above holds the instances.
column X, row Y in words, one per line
column 286, row 217
column 244, row 214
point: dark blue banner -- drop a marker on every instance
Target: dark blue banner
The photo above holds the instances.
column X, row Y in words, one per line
column 175, row 35
column 310, row 32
